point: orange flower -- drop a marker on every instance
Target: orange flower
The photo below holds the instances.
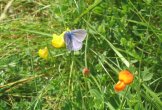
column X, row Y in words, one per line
column 120, row 86
column 86, row 71
column 126, row 77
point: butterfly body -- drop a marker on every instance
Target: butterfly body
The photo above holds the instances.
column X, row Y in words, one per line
column 73, row 39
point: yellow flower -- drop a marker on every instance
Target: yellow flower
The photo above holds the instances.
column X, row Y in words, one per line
column 43, row 53
column 58, row 40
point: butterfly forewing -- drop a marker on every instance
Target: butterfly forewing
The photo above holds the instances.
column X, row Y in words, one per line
column 79, row 34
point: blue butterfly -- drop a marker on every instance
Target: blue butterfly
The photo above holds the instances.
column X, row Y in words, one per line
column 73, row 39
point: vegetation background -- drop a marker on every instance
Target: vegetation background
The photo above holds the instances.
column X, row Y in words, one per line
column 122, row 34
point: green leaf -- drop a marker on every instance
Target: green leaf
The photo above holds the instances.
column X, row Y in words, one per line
column 146, row 74
column 98, row 98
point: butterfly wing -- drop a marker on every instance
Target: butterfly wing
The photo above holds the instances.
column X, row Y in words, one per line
column 68, row 41
column 76, row 45
column 79, row 34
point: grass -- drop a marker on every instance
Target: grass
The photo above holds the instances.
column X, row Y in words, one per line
column 121, row 35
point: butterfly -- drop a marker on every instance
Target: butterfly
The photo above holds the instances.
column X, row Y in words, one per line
column 74, row 38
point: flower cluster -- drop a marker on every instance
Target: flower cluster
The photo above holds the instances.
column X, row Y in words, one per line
column 125, row 78
column 57, row 42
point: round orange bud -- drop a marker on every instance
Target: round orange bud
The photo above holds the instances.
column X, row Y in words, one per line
column 86, row 71
column 126, row 76
column 120, row 86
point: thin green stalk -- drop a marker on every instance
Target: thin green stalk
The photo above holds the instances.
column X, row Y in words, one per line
column 123, row 102
column 96, row 2
column 85, row 55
